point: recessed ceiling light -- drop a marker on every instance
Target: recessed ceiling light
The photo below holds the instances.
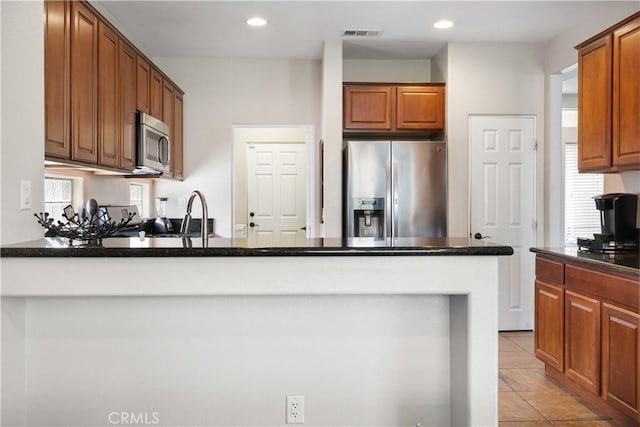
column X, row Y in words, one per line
column 444, row 24
column 256, row 22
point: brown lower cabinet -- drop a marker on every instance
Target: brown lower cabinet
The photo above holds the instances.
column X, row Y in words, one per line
column 620, row 363
column 582, row 340
column 587, row 333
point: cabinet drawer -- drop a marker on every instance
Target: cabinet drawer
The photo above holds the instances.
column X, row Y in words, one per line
column 620, row 290
column 549, row 271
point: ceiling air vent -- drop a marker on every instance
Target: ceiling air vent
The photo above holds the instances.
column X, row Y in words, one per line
column 362, row 33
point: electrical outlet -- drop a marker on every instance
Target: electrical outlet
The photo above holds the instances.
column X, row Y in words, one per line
column 295, row 409
column 25, row 195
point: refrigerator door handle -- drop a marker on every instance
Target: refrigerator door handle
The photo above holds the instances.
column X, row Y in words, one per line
column 394, row 186
column 388, row 208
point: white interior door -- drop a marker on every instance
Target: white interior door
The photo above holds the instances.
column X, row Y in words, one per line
column 502, row 153
column 276, row 199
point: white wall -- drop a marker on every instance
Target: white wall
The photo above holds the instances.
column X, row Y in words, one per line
column 220, row 93
column 486, row 78
column 207, row 360
column 559, row 52
column 22, row 131
column 370, row 70
column 331, row 133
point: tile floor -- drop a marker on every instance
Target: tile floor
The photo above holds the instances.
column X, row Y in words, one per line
column 526, row 398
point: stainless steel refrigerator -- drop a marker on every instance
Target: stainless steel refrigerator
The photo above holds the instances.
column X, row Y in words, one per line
column 395, row 189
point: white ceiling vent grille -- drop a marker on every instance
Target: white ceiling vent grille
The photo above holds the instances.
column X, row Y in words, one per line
column 362, row 33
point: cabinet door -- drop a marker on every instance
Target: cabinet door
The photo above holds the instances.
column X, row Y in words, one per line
column 369, row 107
column 420, row 107
column 108, row 105
column 594, row 106
column 621, row 359
column 155, row 94
column 84, row 84
column 549, row 324
column 626, row 96
column 167, row 113
column 143, row 79
column 177, row 129
column 128, row 104
column 582, row 340
column 167, row 105
column 57, row 55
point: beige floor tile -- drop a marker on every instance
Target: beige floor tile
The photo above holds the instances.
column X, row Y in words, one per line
column 524, row 424
column 505, row 344
column 557, row 406
column 528, row 380
column 517, row 333
column 518, row 359
column 523, row 342
column 590, row 423
column 512, row 407
column 503, row 386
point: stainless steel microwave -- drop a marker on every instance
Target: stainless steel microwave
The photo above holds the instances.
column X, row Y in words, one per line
column 153, row 145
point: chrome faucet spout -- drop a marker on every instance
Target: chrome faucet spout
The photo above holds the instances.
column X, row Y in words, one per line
column 186, row 222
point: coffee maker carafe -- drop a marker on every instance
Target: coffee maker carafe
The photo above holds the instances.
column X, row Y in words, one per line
column 617, row 217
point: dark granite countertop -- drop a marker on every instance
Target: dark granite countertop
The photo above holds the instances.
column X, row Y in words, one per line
column 223, row 247
column 622, row 263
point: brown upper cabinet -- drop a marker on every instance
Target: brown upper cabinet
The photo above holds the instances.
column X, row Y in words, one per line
column 394, row 107
column 420, row 107
column 608, row 99
column 155, row 95
column 57, row 60
column 176, row 134
column 84, row 84
column 369, row 107
column 143, row 81
column 127, row 91
column 108, row 105
column 95, row 80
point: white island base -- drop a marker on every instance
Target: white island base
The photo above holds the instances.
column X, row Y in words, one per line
column 212, row 341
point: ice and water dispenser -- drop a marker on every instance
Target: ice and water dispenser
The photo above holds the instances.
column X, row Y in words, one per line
column 368, row 217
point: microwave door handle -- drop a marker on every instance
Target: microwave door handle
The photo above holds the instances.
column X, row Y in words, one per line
column 162, row 147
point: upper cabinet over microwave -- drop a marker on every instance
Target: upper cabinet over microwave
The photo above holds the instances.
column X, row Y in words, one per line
column 608, row 99
column 390, row 107
column 95, row 81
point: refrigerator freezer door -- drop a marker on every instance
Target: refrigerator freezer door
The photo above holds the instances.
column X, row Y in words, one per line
column 365, row 175
column 419, row 199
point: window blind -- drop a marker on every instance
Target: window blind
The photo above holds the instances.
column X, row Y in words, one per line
column 581, row 218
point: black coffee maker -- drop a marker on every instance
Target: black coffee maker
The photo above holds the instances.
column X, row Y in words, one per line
column 617, row 225
column 617, row 217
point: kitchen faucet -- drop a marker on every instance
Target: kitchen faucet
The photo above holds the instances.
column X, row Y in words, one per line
column 186, row 222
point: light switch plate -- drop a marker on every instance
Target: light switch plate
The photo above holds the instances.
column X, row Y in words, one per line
column 25, row 195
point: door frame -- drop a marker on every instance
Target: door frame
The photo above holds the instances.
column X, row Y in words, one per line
column 538, row 231
column 312, row 169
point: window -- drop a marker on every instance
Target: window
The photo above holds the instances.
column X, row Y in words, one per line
column 135, row 196
column 581, row 218
column 58, row 193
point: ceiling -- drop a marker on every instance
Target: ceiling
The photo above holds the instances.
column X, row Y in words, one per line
column 297, row 29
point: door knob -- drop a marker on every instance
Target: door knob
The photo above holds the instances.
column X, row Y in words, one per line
column 253, row 224
column 303, row 228
column 480, row 236
column 252, row 214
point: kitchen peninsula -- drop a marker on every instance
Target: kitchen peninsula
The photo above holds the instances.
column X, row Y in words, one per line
column 370, row 332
